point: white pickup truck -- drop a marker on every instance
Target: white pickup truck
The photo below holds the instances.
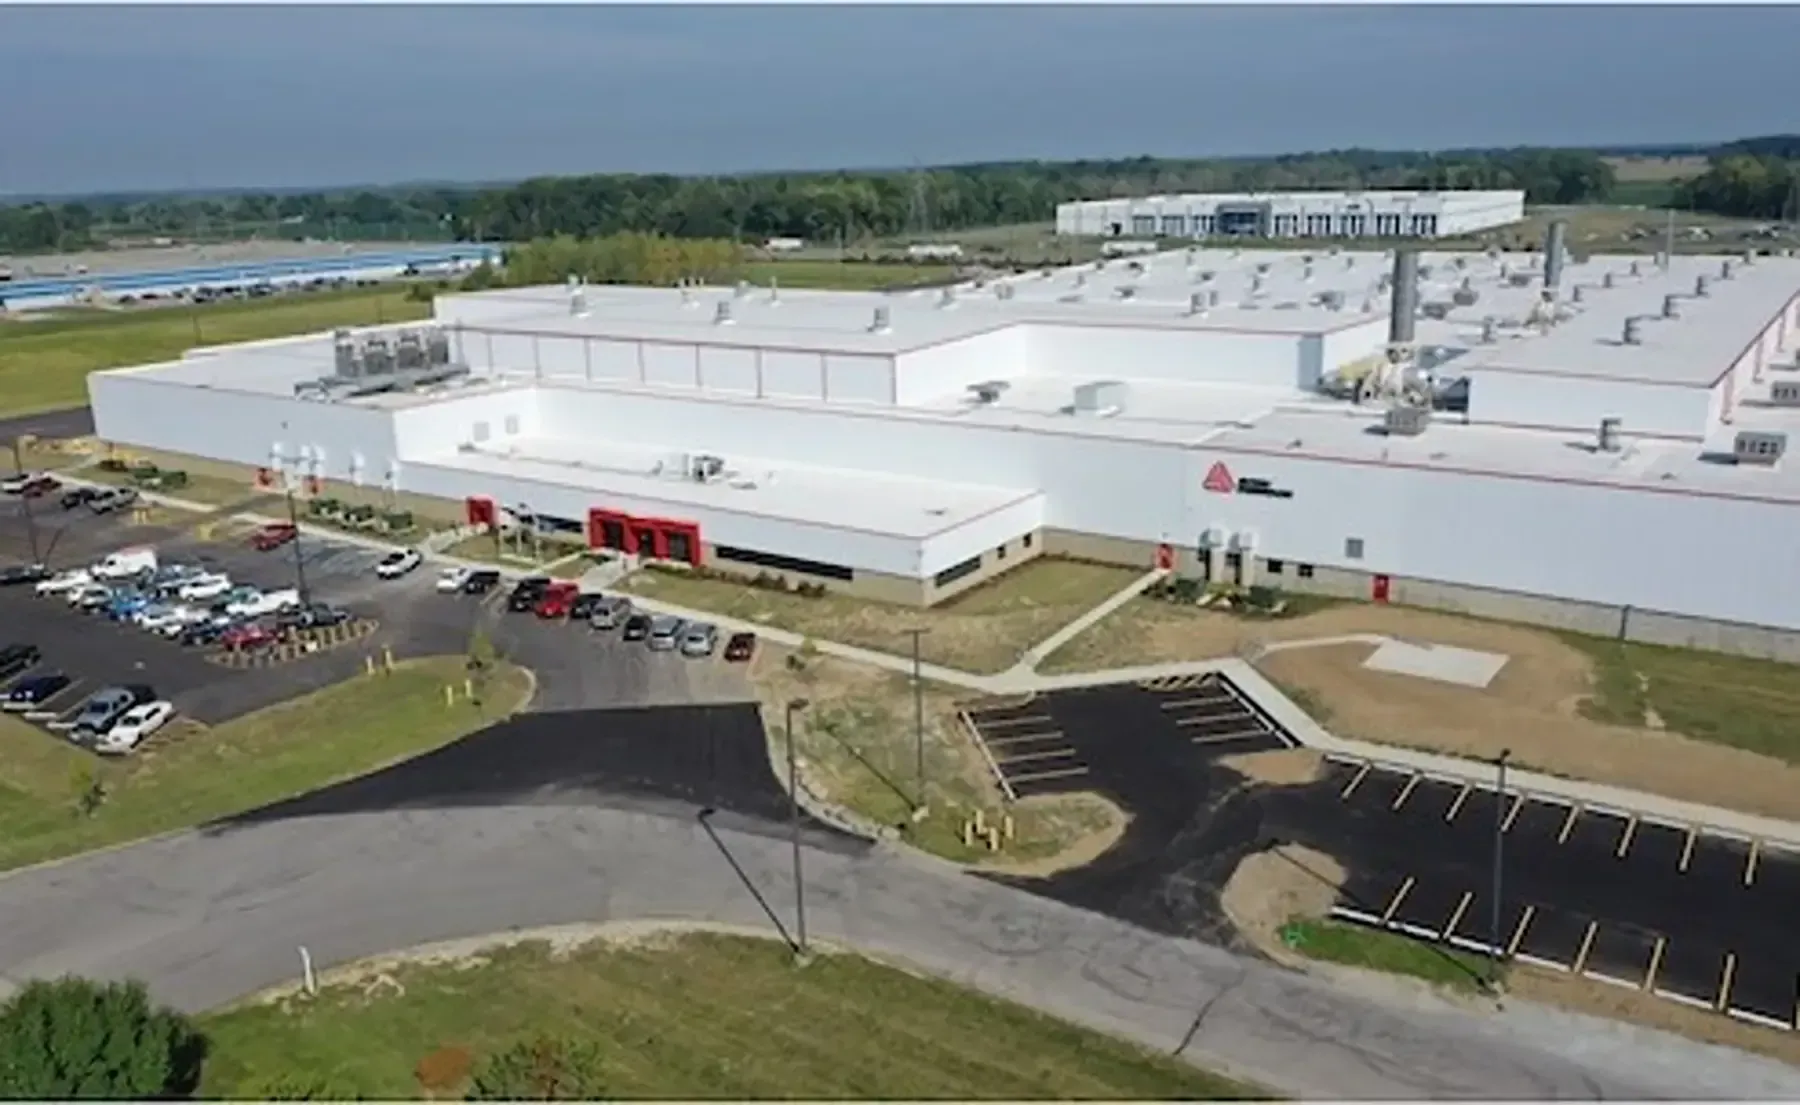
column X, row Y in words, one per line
column 267, row 602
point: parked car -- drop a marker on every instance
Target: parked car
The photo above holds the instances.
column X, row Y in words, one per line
column 28, row 694
column 117, row 499
column 204, row 632
column 741, row 648
column 14, row 575
column 91, row 597
column 637, row 627
column 64, row 582
column 38, row 486
column 264, row 603
column 16, row 483
column 246, row 635
column 558, row 600
column 104, row 708
column 481, row 581
column 584, row 605
column 16, row 658
column 171, row 620
column 210, row 585
column 526, row 593
column 699, row 639
column 316, row 615
column 396, row 564
column 665, row 632
column 124, row 605
column 610, row 612
column 134, row 727
column 453, row 581
column 78, row 496
column 273, row 536
column 125, row 562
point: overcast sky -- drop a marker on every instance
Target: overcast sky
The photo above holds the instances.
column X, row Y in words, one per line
column 102, row 98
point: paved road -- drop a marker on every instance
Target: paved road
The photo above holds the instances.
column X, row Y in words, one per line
column 75, row 422
column 207, row 917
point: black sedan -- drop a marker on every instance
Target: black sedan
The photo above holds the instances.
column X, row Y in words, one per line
column 316, row 616
column 16, row 658
column 79, row 496
column 15, row 574
column 34, row 692
column 526, row 593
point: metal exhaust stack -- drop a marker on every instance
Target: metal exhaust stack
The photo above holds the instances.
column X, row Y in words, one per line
column 1553, row 253
column 1405, row 309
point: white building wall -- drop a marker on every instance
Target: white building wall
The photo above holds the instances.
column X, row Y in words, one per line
column 1349, row 344
column 978, row 535
column 1649, row 549
column 950, row 367
column 1192, row 356
column 859, row 379
column 1455, row 212
column 856, row 548
column 487, row 418
column 1563, row 402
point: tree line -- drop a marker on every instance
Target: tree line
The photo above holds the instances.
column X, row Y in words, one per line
column 1747, row 185
column 851, row 206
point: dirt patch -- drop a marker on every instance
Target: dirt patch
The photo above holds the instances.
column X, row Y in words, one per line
column 1637, row 1007
column 1270, row 887
column 1086, row 826
column 1285, row 767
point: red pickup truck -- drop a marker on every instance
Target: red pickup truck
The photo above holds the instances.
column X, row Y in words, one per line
column 272, row 536
column 558, row 599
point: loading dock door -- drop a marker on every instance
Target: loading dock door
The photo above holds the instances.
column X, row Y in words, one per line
column 1379, row 588
column 646, row 541
column 681, row 547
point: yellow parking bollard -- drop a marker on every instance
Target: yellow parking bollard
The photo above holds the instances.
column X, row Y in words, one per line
column 449, row 695
column 469, row 689
column 980, row 822
column 368, row 665
column 993, row 839
column 1006, row 826
column 968, row 834
column 387, row 658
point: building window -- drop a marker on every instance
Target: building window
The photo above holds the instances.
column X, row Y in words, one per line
column 1143, row 226
column 1353, row 548
column 1304, row 571
column 1273, row 567
column 1025, row 541
column 784, row 563
column 1174, row 226
column 1000, row 553
column 957, row 571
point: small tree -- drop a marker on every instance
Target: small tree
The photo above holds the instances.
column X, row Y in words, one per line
column 544, row 1069
column 75, row 1038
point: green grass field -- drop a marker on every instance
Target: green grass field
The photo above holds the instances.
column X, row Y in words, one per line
column 845, row 275
column 694, row 1017
column 1390, row 953
column 44, row 363
column 190, row 774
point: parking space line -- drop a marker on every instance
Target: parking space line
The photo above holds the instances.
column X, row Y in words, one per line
column 1228, row 738
column 1032, row 757
column 1656, row 958
column 1631, row 825
column 1356, row 781
column 1750, row 863
column 1457, row 804
column 1723, row 1002
column 994, row 723
column 1587, row 945
column 1214, row 720
column 1518, row 936
column 1687, row 849
column 1026, row 738
column 1456, row 917
column 1568, row 824
column 1200, row 700
column 1393, row 905
column 1045, row 776
column 1518, row 803
column 1406, row 791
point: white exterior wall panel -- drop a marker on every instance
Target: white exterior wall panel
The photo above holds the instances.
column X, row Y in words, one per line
column 612, row 361
column 950, row 368
column 1564, row 402
column 729, row 370
column 793, row 374
column 670, row 366
column 437, row 429
column 859, row 379
column 978, row 535
column 1194, row 356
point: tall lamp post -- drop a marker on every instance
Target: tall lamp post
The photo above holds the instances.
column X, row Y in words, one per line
column 1499, row 868
column 920, row 805
column 299, row 560
column 794, row 706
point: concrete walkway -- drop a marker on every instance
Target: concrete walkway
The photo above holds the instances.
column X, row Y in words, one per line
column 1023, row 679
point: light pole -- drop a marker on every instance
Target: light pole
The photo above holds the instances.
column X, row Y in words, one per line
column 299, row 560
column 1499, row 855
column 920, row 806
column 794, row 706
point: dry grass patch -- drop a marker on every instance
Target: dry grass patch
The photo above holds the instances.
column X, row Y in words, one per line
column 1629, row 170
column 1270, row 887
column 858, row 751
column 983, row 630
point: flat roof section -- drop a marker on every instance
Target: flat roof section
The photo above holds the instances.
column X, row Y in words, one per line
column 832, row 498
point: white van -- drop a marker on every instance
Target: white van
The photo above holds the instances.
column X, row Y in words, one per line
column 126, row 562
column 268, row 602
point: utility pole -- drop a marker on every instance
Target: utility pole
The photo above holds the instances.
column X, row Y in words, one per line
column 299, row 560
column 794, row 706
column 920, row 805
column 1499, row 867
column 25, row 501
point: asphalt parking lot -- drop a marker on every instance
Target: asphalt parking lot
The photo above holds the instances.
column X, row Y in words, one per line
column 1689, row 915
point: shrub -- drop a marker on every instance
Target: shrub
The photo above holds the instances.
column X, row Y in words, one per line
column 75, row 1038
column 544, row 1069
column 443, row 1069
column 294, row 1087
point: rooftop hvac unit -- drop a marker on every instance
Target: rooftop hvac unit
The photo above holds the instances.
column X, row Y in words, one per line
column 348, row 361
column 988, row 391
column 1606, row 280
column 1576, row 294
column 409, row 352
column 1635, row 269
column 1702, row 287
column 705, row 468
column 1196, row 305
column 1519, row 279
column 437, row 347
column 1406, row 421
column 377, row 357
column 1332, row 300
column 1785, row 393
column 1758, row 447
column 1466, row 295
column 1098, row 399
column 1436, row 310
column 1124, row 291
column 1725, row 270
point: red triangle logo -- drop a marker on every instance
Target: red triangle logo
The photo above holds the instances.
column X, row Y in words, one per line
column 1218, row 478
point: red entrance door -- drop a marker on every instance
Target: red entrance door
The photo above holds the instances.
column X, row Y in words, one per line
column 1380, row 589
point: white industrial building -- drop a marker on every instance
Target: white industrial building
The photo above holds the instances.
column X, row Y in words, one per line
column 1604, row 454
column 1293, row 215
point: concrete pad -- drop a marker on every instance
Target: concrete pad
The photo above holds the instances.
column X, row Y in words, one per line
column 1461, row 666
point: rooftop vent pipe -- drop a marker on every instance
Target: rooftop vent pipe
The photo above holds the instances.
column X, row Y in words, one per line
column 882, row 323
column 1196, row 304
column 1725, row 272
column 1671, row 306
column 1634, row 331
column 1702, row 287
column 1606, row 280
column 1635, row 269
column 1406, row 297
column 1575, row 294
column 947, row 298
column 742, row 290
column 722, row 313
column 1490, row 330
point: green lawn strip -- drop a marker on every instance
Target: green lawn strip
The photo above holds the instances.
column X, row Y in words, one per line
column 188, row 776
column 845, row 275
column 1387, row 952
column 700, row 1016
column 44, row 364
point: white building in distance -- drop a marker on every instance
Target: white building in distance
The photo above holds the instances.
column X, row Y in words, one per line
column 1293, row 215
column 1605, row 454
